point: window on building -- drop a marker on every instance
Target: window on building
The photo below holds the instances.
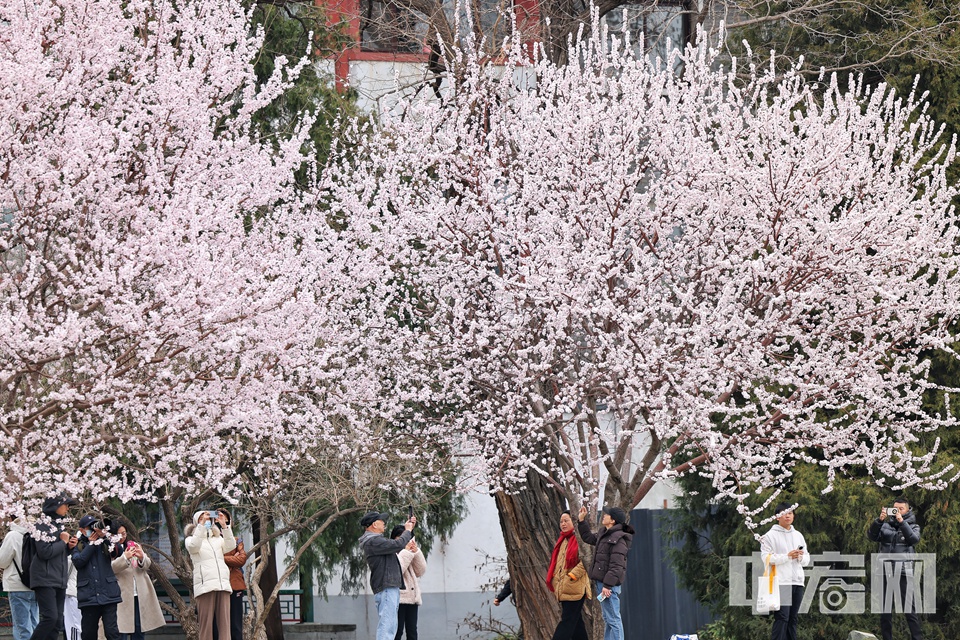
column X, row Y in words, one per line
column 387, row 26
column 662, row 27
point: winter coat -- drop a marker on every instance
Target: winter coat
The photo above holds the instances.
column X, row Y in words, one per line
column 49, row 567
column 565, row 587
column 776, row 544
column 412, row 566
column 505, row 593
column 893, row 536
column 235, row 560
column 206, row 547
column 10, row 562
column 96, row 583
column 610, row 559
column 129, row 572
column 381, row 554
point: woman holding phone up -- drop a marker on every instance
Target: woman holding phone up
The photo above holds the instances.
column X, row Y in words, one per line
column 140, row 610
column 211, row 576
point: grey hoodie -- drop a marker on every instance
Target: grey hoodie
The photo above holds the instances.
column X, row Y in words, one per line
column 381, row 554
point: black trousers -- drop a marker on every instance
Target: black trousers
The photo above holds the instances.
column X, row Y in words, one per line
column 90, row 618
column 407, row 619
column 886, row 619
column 50, row 604
column 785, row 619
column 571, row 625
column 236, row 615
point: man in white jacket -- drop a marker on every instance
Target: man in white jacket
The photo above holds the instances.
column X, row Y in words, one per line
column 784, row 548
column 23, row 602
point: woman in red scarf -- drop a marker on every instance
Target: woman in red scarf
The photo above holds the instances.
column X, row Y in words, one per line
column 567, row 578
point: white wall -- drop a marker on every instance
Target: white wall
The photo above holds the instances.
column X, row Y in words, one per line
column 453, row 586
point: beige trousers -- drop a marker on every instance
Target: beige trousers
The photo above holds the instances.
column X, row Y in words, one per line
column 215, row 604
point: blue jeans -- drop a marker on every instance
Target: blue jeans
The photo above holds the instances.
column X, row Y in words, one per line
column 24, row 613
column 388, row 602
column 610, row 608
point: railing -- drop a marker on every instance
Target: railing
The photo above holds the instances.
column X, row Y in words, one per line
column 289, row 602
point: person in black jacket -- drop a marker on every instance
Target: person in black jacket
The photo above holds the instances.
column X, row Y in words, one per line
column 505, row 593
column 48, row 570
column 386, row 576
column 98, row 592
column 609, row 564
column 898, row 533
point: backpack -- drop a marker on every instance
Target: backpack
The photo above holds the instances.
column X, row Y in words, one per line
column 28, row 551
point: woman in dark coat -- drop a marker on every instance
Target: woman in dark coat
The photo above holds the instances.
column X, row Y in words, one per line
column 609, row 564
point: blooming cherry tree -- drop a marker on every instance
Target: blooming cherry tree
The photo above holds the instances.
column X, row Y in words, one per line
column 615, row 274
column 174, row 326
column 166, row 327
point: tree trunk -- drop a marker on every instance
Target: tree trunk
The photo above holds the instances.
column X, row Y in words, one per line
column 268, row 582
column 182, row 608
column 530, row 520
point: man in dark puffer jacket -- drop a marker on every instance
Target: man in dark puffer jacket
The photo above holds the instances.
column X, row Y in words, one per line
column 898, row 534
column 609, row 564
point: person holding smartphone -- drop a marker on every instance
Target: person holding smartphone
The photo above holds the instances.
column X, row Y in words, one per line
column 140, row 610
column 897, row 531
column 567, row 579
column 784, row 548
column 48, row 573
column 386, row 575
column 412, row 565
column 609, row 567
column 207, row 545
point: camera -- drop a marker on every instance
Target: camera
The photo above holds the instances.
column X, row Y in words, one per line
column 837, row 596
column 893, row 511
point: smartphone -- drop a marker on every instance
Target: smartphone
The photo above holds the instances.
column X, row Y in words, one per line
column 409, row 512
column 214, row 515
column 601, row 597
column 131, row 544
column 893, row 511
column 800, row 548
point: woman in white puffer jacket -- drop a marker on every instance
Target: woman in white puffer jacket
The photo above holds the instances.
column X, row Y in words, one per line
column 207, row 542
